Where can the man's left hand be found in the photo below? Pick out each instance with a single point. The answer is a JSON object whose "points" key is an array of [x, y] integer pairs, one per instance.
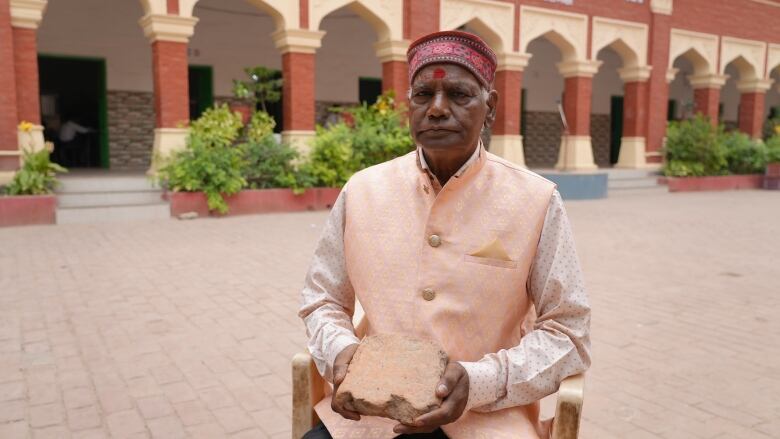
{"points": [[454, 389]]}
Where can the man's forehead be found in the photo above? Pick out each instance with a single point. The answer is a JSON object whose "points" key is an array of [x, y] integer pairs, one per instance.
{"points": [[447, 72]]}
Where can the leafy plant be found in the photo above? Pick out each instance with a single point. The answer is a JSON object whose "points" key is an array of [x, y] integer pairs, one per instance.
{"points": [[38, 175], [263, 87], [214, 169], [261, 125], [744, 156], [695, 141], [269, 164], [217, 126], [372, 134], [773, 149]]}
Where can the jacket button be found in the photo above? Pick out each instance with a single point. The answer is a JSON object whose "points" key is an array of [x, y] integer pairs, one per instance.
{"points": [[434, 240], [428, 294]]}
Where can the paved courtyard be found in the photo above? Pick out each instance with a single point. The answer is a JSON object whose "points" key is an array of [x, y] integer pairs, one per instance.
{"points": [[175, 329]]}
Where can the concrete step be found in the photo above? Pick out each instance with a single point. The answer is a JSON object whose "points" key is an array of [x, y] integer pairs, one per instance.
{"points": [[97, 199], [632, 183], [105, 183], [630, 174], [102, 214]]}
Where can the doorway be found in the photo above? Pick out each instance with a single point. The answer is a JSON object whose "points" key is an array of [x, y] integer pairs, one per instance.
{"points": [[74, 110], [615, 127], [201, 84]]}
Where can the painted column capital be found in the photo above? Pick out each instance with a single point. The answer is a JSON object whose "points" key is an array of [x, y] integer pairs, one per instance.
{"points": [[297, 40], [578, 68], [661, 6], [27, 13], [708, 81], [754, 85], [174, 28], [512, 61], [391, 50], [635, 74]]}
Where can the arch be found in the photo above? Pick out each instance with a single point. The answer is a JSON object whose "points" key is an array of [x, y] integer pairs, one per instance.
{"points": [[626, 53], [567, 31], [699, 48], [154, 6], [386, 17], [746, 70], [773, 60], [491, 19], [627, 38]]}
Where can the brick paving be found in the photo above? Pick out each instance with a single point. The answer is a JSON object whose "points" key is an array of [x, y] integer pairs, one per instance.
{"points": [[173, 329]]}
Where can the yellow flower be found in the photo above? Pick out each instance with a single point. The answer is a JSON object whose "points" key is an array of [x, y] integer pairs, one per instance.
{"points": [[777, 130], [25, 126]]}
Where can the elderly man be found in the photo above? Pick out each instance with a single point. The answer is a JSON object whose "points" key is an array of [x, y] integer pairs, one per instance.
{"points": [[453, 244]]}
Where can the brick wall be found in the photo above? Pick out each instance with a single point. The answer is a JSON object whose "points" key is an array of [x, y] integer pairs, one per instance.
{"points": [[130, 129], [8, 140], [542, 138], [599, 138]]}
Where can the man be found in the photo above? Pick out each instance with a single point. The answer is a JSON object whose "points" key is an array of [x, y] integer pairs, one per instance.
{"points": [[453, 244]]}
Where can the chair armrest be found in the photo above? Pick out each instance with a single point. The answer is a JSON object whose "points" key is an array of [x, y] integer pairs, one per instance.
{"points": [[568, 409], [308, 390]]}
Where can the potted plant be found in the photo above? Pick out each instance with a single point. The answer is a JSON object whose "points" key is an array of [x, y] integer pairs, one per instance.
{"points": [[29, 196], [262, 88], [772, 174]]}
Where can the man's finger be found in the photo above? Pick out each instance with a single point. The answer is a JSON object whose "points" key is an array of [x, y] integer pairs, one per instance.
{"points": [[451, 376], [349, 414]]}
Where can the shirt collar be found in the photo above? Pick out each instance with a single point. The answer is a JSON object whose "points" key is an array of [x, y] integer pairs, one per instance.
{"points": [[474, 157]]}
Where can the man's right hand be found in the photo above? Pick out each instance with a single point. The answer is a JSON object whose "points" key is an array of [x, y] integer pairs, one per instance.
{"points": [[339, 372]]}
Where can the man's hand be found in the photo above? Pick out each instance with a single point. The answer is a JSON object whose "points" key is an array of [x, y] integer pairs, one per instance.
{"points": [[454, 389], [339, 372]]}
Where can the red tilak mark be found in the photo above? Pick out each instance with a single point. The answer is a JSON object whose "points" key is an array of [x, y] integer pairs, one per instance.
{"points": [[439, 74]]}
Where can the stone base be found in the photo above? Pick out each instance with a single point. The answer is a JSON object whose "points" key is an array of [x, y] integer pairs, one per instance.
{"points": [[166, 142], [6, 177], [301, 140], [576, 154], [579, 185], [509, 147], [632, 153]]}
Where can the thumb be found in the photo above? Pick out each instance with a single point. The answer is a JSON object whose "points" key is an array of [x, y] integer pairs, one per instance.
{"points": [[448, 380], [339, 372]]}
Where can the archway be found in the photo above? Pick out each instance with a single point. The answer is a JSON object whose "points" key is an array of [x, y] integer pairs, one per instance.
{"points": [[606, 123]]}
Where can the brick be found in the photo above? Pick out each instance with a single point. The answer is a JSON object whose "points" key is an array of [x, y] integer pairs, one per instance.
{"points": [[114, 399], [508, 84], [81, 397], [193, 412], [216, 397], [233, 419], [84, 418], [154, 407], [171, 93], [272, 420], [207, 431], [14, 430], [125, 423], [26, 74], [298, 91], [168, 427], [46, 415], [56, 432], [252, 398], [12, 390], [179, 392]]}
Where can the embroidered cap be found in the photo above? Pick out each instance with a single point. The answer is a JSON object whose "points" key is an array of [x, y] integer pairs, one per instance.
{"points": [[453, 47]]}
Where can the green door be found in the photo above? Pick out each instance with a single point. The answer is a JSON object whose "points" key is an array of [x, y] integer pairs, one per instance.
{"points": [[201, 84], [615, 127]]}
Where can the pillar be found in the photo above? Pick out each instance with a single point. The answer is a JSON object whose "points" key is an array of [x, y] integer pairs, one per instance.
{"points": [[169, 36], [657, 85], [395, 71], [9, 150], [26, 16], [706, 94], [751, 106], [505, 139], [298, 47], [420, 18], [633, 143], [576, 152]]}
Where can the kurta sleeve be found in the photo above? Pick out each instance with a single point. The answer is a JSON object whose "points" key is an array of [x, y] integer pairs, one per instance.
{"points": [[559, 344], [328, 299]]}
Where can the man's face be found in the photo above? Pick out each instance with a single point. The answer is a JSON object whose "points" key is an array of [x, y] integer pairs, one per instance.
{"points": [[448, 108]]}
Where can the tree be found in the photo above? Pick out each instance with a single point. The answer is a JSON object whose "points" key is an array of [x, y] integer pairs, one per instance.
{"points": [[263, 87]]}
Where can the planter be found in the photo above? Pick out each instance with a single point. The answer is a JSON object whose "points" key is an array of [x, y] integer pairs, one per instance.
{"points": [[719, 183], [244, 109], [22, 210], [772, 176], [253, 201]]}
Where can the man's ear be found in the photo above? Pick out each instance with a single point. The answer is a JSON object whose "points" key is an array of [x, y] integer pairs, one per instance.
{"points": [[492, 103]]}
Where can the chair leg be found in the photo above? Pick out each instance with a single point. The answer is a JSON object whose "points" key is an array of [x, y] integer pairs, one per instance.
{"points": [[568, 409], [308, 390]]}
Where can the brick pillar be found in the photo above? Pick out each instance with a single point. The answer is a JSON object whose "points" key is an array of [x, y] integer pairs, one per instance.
{"points": [[298, 47], [751, 106], [706, 95], [421, 17], [634, 138], [9, 154], [657, 86], [576, 152], [26, 69], [169, 35], [505, 139], [395, 71]]}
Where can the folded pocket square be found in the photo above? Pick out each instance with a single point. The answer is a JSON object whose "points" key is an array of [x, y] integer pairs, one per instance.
{"points": [[493, 250]]}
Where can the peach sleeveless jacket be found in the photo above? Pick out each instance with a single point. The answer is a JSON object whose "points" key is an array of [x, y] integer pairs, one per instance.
{"points": [[478, 305]]}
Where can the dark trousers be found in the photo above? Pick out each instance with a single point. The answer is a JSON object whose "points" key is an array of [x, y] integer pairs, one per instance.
{"points": [[320, 432]]}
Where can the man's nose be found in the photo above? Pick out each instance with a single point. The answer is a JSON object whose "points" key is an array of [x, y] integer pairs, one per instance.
{"points": [[440, 107]]}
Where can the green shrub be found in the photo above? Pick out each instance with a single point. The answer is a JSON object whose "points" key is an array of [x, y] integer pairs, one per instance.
{"points": [[374, 135], [691, 142], [261, 125], [269, 164], [743, 154], [773, 149], [38, 175], [201, 166], [217, 126]]}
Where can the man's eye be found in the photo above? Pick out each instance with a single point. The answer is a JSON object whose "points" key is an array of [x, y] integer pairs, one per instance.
{"points": [[423, 93], [458, 95]]}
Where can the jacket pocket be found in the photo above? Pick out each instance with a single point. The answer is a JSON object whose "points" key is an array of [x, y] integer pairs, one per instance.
{"points": [[500, 263]]}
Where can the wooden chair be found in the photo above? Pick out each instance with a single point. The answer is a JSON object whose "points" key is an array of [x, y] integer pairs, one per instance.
{"points": [[308, 390]]}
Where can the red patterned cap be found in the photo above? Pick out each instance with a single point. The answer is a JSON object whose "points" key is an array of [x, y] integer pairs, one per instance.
{"points": [[454, 47]]}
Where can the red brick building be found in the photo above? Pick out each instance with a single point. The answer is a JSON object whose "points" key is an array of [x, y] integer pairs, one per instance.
{"points": [[134, 72]]}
